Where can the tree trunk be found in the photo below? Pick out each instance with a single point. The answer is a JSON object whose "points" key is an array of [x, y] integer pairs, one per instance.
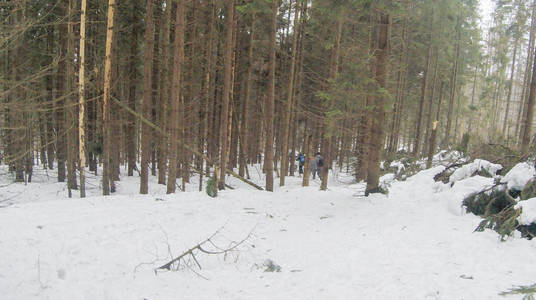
{"points": [[424, 89], [328, 141], [71, 120], [176, 94], [164, 96], [454, 78], [399, 100], [473, 92], [131, 134], [208, 88], [382, 73], [82, 102], [365, 119], [510, 87], [147, 98], [308, 157], [270, 100], [290, 94], [430, 105], [227, 85], [244, 126], [50, 100], [525, 141], [61, 146], [522, 112], [155, 157], [433, 135], [297, 87], [106, 99]]}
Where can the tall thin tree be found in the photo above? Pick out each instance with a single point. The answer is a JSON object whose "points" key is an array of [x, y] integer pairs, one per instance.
{"points": [[82, 102], [106, 99], [146, 137], [270, 100], [176, 94], [382, 73], [227, 85]]}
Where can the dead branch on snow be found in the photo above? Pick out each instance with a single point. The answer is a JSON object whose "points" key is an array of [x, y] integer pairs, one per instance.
{"points": [[208, 247]]}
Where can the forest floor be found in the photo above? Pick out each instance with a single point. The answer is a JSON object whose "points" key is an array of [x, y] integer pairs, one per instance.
{"points": [[415, 243]]}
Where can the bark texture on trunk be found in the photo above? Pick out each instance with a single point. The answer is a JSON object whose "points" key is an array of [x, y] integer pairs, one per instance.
{"points": [[382, 73], [147, 98], [290, 94], [424, 90], [525, 141], [82, 102], [269, 107], [106, 99], [176, 94], [227, 86], [454, 78]]}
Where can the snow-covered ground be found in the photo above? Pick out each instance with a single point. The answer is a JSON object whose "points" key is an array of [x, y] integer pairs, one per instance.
{"points": [[415, 243]]}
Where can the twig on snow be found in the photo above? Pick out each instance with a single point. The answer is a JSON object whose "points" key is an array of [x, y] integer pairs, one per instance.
{"points": [[190, 255]]}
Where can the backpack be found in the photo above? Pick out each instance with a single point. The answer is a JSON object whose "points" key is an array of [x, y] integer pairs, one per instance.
{"points": [[302, 158]]}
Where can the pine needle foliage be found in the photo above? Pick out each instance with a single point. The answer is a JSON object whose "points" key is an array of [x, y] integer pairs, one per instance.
{"points": [[212, 187], [527, 291], [504, 222]]}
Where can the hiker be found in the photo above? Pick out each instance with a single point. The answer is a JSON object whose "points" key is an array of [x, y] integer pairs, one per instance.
{"points": [[316, 165], [301, 162]]}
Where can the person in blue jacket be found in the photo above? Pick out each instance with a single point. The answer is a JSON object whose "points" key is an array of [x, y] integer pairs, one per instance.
{"points": [[301, 161]]}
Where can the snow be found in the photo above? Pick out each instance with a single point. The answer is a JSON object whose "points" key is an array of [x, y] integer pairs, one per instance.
{"points": [[477, 165], [518, 177], [528, 211], [454, 196], [387, 179], [445, 155], [399, 166], [330, 245]]}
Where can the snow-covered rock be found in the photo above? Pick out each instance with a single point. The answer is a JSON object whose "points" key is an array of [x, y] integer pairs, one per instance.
{"points": [[518, 177]]}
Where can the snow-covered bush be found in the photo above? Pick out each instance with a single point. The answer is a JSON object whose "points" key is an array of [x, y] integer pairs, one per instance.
{"points": [[519, 176], [488, 203], [528, 211], [477, 166], [503, 208], [398, 165], [529, 191]]}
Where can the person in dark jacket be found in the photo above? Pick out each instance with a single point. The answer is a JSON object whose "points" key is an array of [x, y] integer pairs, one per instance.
{"points": [[316, 165]]}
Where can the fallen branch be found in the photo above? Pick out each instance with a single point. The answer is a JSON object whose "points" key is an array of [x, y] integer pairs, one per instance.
{"points": [[208, 175], [188, 148], [438, 177], [202, 247], [486, 190]]}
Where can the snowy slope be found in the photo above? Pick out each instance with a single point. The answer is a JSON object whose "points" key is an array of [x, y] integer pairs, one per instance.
{"points": [[415, 243]]}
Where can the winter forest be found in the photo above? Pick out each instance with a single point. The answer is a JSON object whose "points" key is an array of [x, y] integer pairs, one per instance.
{"points": [[267, 149]]}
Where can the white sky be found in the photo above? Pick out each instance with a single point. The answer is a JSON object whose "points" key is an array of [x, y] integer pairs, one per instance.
{"points": [[486, 8]]}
